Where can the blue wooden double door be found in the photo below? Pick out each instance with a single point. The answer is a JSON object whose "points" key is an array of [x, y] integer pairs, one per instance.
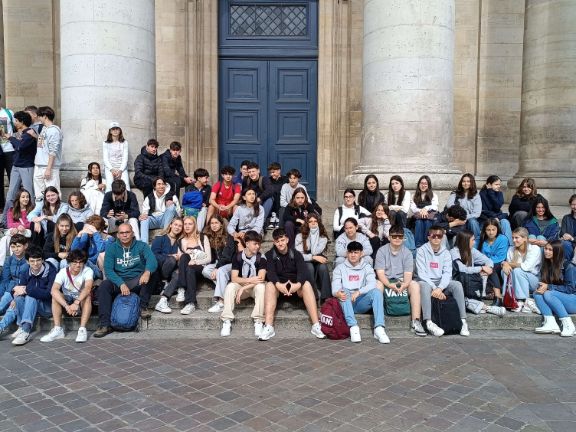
{"points": [[268, 112]]}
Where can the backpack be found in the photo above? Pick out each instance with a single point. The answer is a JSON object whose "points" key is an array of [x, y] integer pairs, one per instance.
{"points": [[446, 315], [471, 282], [332, 320], [192, 203], [125, 312]]}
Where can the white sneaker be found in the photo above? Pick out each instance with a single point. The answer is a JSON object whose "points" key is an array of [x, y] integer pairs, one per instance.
{"points": [[532, 306], [355, 334], [55, 333], [267, 333], [496, 310], [82, 335], [464, 331], [180, 295], [162, 305], [518, 308], [258, 326], [548, 326], [417, 328], [568, 328], [433, 329], [317, 331], [22, 339], [16, 333], [189, 308], [217, 307], [380, 334], [226, 327]]}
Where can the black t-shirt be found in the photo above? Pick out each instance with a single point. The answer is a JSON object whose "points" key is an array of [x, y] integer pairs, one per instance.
{"points": [[237, 264]]}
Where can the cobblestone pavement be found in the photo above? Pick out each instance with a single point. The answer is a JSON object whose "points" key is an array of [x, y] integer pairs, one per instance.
{"points": [[448, 384]]}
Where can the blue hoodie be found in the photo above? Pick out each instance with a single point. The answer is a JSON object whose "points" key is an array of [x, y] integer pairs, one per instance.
{"points": [[39, 286], [13, 268]]}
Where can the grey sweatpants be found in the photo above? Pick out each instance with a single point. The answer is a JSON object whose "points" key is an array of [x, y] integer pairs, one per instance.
{"points": [[454, 288]]}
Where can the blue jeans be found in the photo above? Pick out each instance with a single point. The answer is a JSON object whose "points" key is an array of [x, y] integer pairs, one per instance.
{"points": [[506, 230], [556, 303], [27, 307], [154, 222], [5, 301], [421, 231], [95, 269], [267, 207], [364, 302], [473, 225], [523, 282]]}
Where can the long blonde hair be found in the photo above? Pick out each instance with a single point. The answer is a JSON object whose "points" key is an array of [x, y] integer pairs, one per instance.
{"points": [[194, 234], [518, 255]]}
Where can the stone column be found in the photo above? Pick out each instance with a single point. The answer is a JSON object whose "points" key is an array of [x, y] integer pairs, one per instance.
{"points": [[107, 74], [548, 120], [408, 92], [2, 70]]}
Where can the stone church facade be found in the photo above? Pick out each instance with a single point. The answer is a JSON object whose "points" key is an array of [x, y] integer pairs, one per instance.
{"points": [[403, 86]]}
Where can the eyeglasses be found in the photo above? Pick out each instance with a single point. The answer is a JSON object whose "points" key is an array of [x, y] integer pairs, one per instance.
{"points": [[396, 236], [436, 236], [77, 262], [348, 196], [124, 232]]}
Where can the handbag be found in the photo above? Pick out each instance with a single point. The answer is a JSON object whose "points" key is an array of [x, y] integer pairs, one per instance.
{"points": [[396, 304], [509, 301]]}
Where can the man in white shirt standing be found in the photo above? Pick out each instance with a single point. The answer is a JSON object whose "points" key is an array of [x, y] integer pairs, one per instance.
{"points": [[7, 153], [49, 154]]}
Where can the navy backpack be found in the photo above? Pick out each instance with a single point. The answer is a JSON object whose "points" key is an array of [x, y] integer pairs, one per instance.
{"points": [[125, 312]]}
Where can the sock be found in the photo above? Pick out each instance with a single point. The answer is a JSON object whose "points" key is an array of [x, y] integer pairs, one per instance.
{"points": [[463, 320]]}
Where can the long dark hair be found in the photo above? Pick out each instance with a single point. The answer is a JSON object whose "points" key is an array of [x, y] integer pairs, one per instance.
{"points": [[305, 230], [255, 206], [461, 193], [120, 137], [17, 210], [392, 195], [298, 190], [219, 238], [540, 200], [483, 237], [462, 242], [531, 183], [429, 194], [551, 272], [491, 179], [89, 175], [46, 207], [374, 223]]}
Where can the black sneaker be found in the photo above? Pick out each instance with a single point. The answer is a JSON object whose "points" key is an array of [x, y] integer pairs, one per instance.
{"points": [[102, 331], [145, 314]]}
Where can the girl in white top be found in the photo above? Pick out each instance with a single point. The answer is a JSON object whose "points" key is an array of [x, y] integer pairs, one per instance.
{"points": [[347, 210], [115, 155], [92, 186], [523, 265], [398, 200]]}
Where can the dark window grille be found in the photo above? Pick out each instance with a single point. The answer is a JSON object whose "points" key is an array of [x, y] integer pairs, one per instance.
{"points": [[265, 20]]}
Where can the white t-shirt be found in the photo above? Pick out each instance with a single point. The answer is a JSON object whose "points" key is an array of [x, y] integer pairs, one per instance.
{"points": [[73, 290]]}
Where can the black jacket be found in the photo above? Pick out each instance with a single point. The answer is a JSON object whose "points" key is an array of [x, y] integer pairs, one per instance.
{"points": [[170, 166], [130, 206], [282, 268], [146, 168], [25, 148]]}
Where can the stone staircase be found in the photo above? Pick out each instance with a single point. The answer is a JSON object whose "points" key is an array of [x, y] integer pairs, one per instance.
{"points": [[291, 317]]}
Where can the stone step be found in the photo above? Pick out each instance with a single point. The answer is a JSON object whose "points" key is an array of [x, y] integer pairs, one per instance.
{"points": [[295, 320]]}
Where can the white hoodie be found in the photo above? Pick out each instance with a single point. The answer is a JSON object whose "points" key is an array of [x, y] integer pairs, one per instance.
{"points": [[360, 277]]}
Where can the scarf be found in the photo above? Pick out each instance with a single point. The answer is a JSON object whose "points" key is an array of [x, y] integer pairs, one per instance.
{"points": [[248, 265], [313, 239]]}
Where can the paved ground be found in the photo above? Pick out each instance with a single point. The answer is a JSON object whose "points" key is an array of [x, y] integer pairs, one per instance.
{"points": [[500, 383]]}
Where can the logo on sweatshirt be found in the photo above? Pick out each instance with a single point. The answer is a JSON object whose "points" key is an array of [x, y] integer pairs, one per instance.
{"points": [[434, 265], [353, 278]]}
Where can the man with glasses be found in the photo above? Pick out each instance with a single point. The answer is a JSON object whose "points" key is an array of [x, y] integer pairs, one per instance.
{"points": [[394, 267], [128, 265], [434, 269], [71, 292]]}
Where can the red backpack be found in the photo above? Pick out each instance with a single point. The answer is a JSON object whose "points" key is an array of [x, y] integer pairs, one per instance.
{"points": [[332, 320]]}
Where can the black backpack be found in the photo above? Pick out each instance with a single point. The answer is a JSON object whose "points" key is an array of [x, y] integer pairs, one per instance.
{"points": [[471, 282], [446, 315]]}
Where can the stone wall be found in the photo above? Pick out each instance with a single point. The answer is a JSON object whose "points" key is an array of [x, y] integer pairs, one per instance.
{"points": [[30, 57]]}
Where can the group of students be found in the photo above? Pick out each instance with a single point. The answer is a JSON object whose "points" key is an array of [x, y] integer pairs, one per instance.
{"points": [[52, 252]]}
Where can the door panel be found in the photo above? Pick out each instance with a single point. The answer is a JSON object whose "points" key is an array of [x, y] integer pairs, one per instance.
{"points": [[268, 113]]}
